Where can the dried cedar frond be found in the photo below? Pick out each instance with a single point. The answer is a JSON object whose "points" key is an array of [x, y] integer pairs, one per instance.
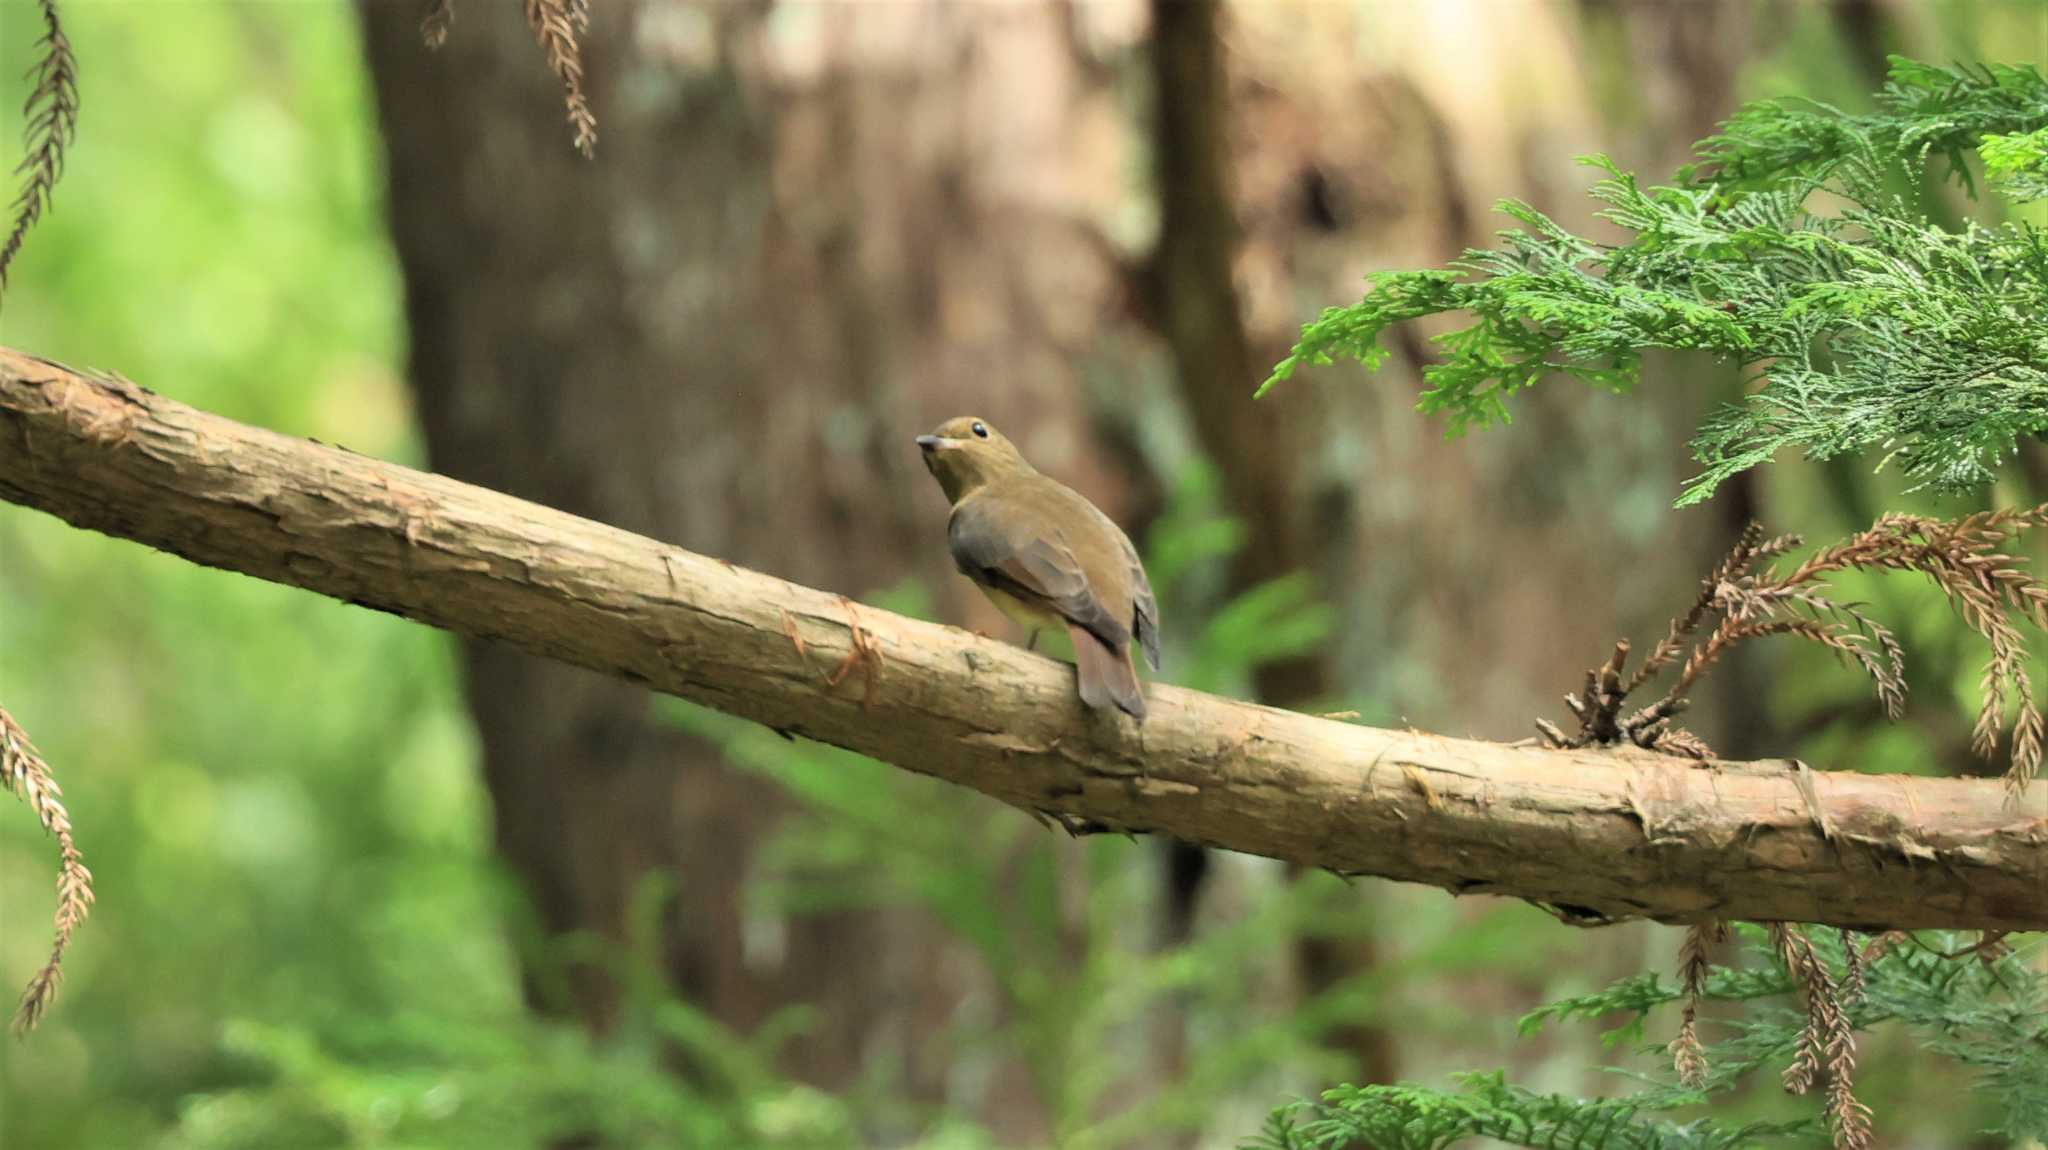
{"points": [[1688, 1055], [1827, 1043], [1855, 965], [555, 25], [1990, 589], [23, 771], [1684, 744], [50, 118], [1797, 955]]}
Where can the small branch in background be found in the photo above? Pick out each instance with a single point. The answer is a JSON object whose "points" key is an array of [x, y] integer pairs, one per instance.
{"points": [[50, 123], [1989, 588], [23, 771], [556, 25]]}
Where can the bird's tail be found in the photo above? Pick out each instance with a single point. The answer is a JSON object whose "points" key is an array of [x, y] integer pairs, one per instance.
{"points": [[1107, 677]]}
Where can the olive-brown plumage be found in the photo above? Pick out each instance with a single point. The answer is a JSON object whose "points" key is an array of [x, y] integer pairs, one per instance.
{"points": [[1047, 557]]}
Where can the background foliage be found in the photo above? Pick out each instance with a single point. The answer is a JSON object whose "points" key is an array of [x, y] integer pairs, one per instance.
{"points": [[303, 938]]}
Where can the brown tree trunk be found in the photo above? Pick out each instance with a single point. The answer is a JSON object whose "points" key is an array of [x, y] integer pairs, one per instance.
{"points": [[572, 341], [792, 254], [1258, 448]]}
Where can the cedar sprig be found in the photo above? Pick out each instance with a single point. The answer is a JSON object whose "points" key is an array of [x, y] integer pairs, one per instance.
{"points": [[1968, 558], [555, 25], [23, 771], [51, 122]]}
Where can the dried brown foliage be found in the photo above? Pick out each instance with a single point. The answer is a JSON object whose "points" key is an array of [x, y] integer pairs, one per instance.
{"points": [[1688, 1056], [23, 771], [1854, 963], [1824, 1052], [1966, 558], [1827, 1044], [51, 120], [556, 25]]}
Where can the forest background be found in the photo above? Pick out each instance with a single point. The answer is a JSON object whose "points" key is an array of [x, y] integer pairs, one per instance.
{"points": [[363, 884]]}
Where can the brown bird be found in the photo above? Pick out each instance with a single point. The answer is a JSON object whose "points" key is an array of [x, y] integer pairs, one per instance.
{"points": [[1047, 557]]}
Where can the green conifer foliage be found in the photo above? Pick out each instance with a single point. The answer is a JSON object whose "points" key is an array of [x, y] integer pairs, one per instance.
{"points": [[1801, 246], [1985, 1008]]}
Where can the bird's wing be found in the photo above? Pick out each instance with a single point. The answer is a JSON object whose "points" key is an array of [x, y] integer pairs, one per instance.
{"points": [[1144, 608], [996, 547]]}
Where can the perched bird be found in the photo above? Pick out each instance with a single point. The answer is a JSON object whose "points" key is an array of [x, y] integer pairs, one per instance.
{"points": [[1047, 557]]}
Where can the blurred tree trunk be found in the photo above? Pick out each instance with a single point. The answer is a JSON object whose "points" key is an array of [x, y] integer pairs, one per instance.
{"points": [[1258, 448], [805, 239], [578, 338], [799, 246]]}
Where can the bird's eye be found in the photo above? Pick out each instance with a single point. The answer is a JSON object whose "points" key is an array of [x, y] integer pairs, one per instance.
{"points": [[980, 429]]}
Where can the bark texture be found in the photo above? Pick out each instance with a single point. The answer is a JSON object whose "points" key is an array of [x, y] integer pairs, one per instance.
{"points": [[1262, 451], [549, 304], [1610, 834], [809, 231]]}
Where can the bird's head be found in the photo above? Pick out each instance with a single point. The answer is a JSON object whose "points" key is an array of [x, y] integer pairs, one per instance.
{"points": [[966, 453]]}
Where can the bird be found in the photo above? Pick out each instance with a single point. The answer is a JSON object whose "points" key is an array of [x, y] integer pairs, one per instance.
{"points": [[1047, 557]]}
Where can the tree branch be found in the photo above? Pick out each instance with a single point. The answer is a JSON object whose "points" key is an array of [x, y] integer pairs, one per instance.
{"points": [[1597, 833]]}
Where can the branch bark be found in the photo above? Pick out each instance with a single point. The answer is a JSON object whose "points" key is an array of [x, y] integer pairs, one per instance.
{"points": [[1611, 834]]}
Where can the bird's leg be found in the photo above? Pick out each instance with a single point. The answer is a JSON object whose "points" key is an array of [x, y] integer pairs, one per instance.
{"points": [[1031, 644]]}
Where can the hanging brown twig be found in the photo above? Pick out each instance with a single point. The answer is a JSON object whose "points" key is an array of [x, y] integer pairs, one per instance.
{"points": [[1688, 1055], [1827, 1043], [51, 120], [557, 26], [23, 771]]}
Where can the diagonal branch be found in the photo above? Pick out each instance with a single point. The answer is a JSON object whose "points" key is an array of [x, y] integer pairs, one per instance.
{"points": [[1592, 833]]}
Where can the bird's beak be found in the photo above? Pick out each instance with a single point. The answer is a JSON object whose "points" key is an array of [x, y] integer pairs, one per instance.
{"points": [[931, 443]]}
